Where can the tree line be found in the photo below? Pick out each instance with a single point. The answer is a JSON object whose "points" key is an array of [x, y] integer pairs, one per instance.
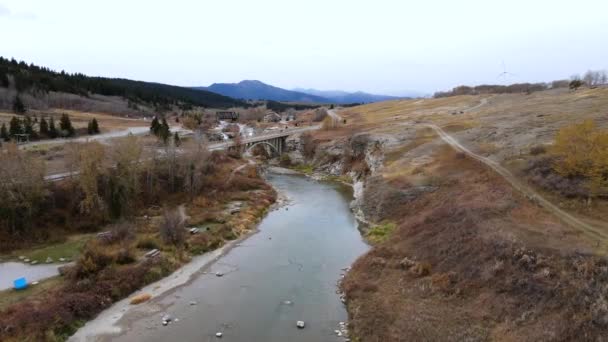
{"points": [[111, 183], [590, 78], [29, 77], [33, 128]]}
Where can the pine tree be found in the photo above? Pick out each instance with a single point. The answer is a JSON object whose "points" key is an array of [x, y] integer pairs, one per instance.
{"points": [[15, 126], [28, 127], [18, 106], [176, 140], [44, 127], [52, 129], [154, 126], [95, 126], [4, 133], [164, 131], [89, 128], [66, 126]]}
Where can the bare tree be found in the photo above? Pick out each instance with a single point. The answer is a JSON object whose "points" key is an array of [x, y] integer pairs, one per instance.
{"points": [[91, 167], [22, 189], [172, 227]]}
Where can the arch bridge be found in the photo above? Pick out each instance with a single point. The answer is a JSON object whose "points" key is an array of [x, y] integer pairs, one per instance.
{"points": [[275, 141]]}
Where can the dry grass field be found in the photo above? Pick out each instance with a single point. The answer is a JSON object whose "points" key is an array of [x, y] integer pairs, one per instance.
{"points": [[470, 257], [107, 122]]}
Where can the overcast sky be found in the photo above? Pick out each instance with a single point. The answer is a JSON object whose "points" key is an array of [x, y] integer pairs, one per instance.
{"points": [[380, 46]]}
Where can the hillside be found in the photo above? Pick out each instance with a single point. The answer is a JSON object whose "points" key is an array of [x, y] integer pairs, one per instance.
{"points": [[38, 80], [486, 241], [343, 97], [256, 90]]}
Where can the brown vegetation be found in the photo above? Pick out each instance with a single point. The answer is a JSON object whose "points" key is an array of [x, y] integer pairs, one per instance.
{"points": [[122, 189], [474, 261]]}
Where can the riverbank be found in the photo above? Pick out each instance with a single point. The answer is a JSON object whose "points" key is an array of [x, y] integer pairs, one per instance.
{"points": [[285, 272], [109, 270], [106, 323]]}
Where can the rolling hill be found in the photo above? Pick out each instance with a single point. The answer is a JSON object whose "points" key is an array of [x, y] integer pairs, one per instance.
{"points": [[35, 79]]}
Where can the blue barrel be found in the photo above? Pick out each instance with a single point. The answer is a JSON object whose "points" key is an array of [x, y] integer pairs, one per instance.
{"points": [[20, 284]]}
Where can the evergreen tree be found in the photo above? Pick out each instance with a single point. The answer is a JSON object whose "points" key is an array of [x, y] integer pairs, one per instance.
{"points": [[66, 126], [164, 131], [44, 127], [95, 126], [4, 133], [15, 126], [89, 128], [176, 140], [28, 127], [154, 126], [18, 106], [52, 129]]}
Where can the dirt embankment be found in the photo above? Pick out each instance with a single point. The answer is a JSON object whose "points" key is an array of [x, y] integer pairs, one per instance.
{"points": [[473, 259]]}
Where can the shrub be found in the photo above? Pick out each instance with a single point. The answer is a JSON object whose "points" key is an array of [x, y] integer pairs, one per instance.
{"points": [[125, 256], [539, 149], [285, 161], [380, 233], [172, 228], [581, 150], [421, 269], [541, 172], [147, 243], [198, 244], [92, 261]]}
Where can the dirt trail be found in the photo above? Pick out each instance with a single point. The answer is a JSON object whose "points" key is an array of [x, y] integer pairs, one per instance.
{"points": [[526, 190]]}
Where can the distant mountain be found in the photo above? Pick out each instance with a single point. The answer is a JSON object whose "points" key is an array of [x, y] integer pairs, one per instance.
{"points": [[338, 96], [256, 90]]}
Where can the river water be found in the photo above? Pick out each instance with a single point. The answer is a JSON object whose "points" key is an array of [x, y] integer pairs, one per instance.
{"points": [[286, 272]]}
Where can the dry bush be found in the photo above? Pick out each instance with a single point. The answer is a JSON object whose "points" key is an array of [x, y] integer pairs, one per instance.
{"points": [[541, 172], [309, 145], [172, 227], [92, 261], [538, 149], [421, 269], [125, 256], [22, 190], [148, 243], [329, 123], [581, 150], [140, 298]]}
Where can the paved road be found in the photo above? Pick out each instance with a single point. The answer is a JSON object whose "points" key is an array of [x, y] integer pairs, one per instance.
{"points": [[526, 190], [212, 147]]}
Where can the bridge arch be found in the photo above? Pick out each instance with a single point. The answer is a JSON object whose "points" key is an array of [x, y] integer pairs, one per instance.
{"points": [[273, 147]]}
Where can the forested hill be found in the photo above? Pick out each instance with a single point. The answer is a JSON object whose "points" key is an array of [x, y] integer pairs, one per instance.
{"points": [[32, 78]]}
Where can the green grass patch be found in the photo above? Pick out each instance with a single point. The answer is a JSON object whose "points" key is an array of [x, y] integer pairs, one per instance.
{"points": [[304, 168], [11, 296], [340, 179], [380, 233], [69, 249]]}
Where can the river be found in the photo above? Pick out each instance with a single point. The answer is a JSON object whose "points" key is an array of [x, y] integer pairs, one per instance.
{"points": [[284, 273]]}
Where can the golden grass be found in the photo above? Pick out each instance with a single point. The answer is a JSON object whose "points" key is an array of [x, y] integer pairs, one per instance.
{"points": [[140, 298]]}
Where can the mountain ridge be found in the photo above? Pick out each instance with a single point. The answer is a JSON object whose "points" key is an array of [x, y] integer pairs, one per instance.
{"points": [[257, 90]]}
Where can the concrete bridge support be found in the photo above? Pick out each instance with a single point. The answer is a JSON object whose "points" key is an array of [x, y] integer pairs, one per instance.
{"points": [[277, 145]]}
